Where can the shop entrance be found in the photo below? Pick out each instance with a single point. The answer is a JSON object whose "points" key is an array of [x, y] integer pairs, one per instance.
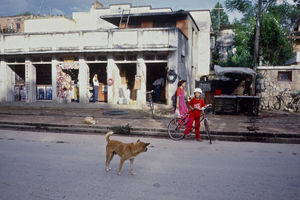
{"points": [[156, 73], [43, 82], [67, 82], [127, 90], [100, 70], [19, 82]]}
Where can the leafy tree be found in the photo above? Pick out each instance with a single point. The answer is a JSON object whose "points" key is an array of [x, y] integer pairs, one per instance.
{"points": [[275, 44], [216, 21]]}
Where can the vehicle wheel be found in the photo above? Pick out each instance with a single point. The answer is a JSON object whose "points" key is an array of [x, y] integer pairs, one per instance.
{"points": [[152, 109], [207, 130], [176, 129]]}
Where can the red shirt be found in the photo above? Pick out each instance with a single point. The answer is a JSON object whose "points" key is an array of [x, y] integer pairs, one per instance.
{"points": [[196, 103]]}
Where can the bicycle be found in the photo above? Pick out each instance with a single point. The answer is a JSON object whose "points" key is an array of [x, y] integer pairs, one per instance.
{"points": [[151, 102], [286, 100], [295, 103], [177, 125], [280, 101]]}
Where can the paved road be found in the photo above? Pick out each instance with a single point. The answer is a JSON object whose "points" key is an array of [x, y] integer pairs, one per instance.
{"points": [[68, 166]]}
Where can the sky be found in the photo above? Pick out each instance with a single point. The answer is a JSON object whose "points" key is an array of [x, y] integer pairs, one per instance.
{"points": [[66, 7]]}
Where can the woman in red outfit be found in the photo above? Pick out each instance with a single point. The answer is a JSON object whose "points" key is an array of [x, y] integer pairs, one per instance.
{"points": [[195, 105]]}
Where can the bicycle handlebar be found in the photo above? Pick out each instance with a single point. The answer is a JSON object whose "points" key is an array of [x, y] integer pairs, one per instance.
{"points": [[152, 91]]}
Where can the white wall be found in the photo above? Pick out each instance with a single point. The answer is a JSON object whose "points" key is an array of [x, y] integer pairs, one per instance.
{"points": [[49, 24], [90, 20], [118, 39], [203, 20]]}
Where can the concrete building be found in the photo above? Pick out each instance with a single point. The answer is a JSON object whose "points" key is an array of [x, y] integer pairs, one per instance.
{"points": [[13, 24], [296, 38], [128, 47]]}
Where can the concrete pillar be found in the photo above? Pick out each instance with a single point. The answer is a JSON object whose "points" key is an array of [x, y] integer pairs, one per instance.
{"points": [[83, 81], [110, 75], [3, 81], [141, 71], [54, 79], [30, 81], [173, 63]]}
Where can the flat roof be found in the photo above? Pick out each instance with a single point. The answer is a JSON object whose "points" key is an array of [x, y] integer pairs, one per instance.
{"points": [[115, 19]]}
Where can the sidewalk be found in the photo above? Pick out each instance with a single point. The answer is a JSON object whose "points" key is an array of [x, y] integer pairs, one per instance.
{"points": [[267, 127]]}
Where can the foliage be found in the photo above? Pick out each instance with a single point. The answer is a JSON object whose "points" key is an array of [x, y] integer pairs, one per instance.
{"points": [[276, 25], [224, 22]]}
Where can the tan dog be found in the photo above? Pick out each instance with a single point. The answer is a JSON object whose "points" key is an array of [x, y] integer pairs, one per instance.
{"points": [[125, 151]]}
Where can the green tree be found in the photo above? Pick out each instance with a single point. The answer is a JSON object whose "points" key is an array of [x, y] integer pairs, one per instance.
{"points": [[275, 44], [219, 18]]}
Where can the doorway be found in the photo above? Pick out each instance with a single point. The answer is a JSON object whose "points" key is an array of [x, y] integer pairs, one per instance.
{"points": [[157, 72], [127, 92], [43, 81], [100, 70], [19, 88]]}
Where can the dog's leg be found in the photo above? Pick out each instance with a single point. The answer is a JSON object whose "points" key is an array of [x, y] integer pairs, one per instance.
{"points": [[109, 156], [121, 164], [131, 167]]}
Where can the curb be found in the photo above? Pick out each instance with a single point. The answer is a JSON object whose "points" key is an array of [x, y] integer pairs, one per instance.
{"points": [[151, 132]]}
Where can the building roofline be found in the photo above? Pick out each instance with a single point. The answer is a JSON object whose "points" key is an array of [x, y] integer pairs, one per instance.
{"points": [[152, 14]]}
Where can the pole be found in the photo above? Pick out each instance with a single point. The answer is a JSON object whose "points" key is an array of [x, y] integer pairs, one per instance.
{"points": [[257, 35]]}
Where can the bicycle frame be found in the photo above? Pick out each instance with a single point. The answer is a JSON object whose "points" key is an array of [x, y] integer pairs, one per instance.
{"points": [[202, 117]]}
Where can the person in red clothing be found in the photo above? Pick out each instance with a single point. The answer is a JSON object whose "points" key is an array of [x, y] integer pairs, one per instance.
{"points": [[195, 105]]}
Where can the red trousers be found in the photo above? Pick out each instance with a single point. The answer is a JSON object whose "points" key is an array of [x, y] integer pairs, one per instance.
{"points": [[190, 126]]}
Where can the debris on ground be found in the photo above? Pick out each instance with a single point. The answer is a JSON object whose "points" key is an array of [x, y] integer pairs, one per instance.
{"points": [[89, 120], [121, 129]]}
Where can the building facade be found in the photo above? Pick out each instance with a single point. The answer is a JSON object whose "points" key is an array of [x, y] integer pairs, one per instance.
{"points": [[295, 60], [56, 58], [275, 79], [13, 24]]}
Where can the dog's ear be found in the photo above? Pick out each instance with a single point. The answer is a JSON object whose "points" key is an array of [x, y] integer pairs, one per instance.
{"points": [[138, 140], [147, 144]]}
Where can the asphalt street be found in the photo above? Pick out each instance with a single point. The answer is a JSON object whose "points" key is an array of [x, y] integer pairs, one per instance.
{"points": [[53, 166]]}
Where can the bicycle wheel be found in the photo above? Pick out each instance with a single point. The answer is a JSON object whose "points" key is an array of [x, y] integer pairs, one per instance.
{"points": [[207, 129], [276, 103], [176, 129]]}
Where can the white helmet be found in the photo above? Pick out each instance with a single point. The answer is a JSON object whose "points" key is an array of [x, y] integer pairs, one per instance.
{"points": [[198, 90]]}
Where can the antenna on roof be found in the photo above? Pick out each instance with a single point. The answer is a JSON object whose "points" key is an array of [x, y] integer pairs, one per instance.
{"points": [[39, 12]]}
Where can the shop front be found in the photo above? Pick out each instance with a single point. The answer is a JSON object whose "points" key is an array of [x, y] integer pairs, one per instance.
{"points": [[18, 82], [43, 81], [67, 85]]}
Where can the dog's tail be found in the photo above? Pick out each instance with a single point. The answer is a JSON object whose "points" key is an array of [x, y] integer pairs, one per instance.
{"points": [[108, 135]]}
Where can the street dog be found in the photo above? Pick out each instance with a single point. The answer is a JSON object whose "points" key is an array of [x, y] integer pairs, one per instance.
{"points": [[125, 151]]}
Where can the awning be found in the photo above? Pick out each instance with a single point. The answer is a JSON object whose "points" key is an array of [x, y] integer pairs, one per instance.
{"points": [[227, 71]]}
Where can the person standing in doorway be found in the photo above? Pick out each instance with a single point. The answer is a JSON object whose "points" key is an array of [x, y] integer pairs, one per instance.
{"points": [[96, 87], [158, 84]]}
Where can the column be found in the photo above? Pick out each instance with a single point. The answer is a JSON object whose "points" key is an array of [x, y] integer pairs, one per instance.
{"points": [[173, 63], [54, 79], [110, 75], [4, 81], [30, 81], [83, 81], [142, 71]]}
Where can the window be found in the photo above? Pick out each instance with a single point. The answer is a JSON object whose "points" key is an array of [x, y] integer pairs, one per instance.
{"points": [[182, 58], [18, 26], [285, 76]]}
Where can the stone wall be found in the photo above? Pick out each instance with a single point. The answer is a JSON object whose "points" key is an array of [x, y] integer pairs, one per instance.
{"points": [[268, 85]]}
